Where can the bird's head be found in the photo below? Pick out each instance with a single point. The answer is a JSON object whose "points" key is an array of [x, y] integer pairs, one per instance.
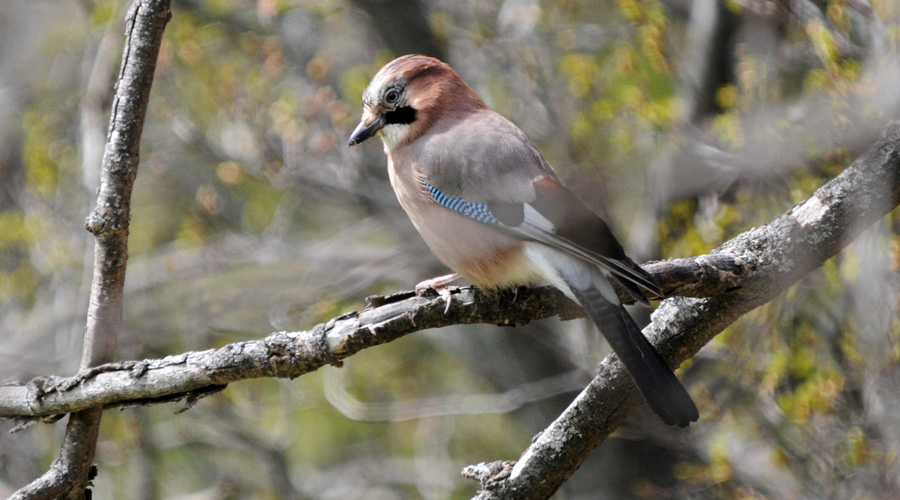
{"points": [[407, 96]]}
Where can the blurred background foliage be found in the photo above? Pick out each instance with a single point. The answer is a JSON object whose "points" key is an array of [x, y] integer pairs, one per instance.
{"points": [[684, 122]]}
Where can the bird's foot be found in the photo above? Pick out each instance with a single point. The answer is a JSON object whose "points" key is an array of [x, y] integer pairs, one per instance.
{"points": [[439, 285]]}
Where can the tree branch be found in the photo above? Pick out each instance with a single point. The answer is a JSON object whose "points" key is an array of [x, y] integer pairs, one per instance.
{"points": [[291, 354], [70, 474]]}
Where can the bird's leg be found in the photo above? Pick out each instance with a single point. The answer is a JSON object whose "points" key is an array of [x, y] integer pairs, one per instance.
{"points": [[439, 285]]}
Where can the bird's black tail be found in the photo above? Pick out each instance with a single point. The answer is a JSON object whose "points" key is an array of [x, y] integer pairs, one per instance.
{"points": [[653, 377]]}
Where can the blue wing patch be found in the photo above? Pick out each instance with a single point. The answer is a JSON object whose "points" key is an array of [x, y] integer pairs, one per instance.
{"points": [[477, 211]]}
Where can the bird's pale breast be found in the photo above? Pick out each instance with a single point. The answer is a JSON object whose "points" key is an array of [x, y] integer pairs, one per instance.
{"points": [[485, 257]]}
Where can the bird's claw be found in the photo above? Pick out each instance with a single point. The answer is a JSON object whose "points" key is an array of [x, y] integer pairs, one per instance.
{"points": [[439, 285], [445, 294]]}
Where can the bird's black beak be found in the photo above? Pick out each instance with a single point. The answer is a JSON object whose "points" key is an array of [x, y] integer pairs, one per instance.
{"points": [[365, 130]]}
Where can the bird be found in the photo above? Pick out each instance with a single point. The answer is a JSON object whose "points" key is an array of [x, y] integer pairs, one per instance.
{"points": [[493, 210]]}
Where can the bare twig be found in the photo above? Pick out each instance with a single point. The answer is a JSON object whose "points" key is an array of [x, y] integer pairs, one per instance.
{"points": [[282, 354], [71, 473]]}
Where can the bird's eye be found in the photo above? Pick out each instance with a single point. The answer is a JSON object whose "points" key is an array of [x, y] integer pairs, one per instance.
{"points": [[392, 97]]}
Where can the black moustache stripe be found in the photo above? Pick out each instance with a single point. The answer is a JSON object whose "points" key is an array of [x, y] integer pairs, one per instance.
{"points": [[400, 116]]}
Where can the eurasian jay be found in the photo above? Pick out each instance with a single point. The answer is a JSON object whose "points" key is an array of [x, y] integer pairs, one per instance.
{"points": [[492, 209]]}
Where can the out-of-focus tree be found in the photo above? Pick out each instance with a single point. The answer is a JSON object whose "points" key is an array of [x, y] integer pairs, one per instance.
{"points": [[685, 123]]}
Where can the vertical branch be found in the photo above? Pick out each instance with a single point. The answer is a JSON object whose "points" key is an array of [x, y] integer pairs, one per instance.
{"points": [[70, 474], [109, 220]]}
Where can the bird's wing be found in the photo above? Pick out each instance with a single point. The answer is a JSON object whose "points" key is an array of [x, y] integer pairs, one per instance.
{"points": [[481, 158], [504, 181]]}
